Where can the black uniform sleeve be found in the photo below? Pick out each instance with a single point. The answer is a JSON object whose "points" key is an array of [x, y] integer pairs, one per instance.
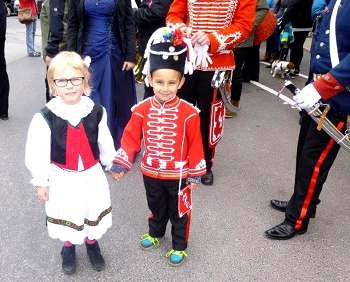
{"points": [[73, 26], [155, 12], [130, 33], [56, 28]]}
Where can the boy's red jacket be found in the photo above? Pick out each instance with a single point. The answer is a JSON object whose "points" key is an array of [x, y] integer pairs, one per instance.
{"points": [[226, 22], [171, 139]]}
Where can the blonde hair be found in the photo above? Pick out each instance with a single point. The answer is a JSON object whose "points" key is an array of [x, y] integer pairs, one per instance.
{"points": [[64, 60]]}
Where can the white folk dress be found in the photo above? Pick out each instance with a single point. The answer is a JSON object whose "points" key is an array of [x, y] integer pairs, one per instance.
{"points": [[79, 204]]}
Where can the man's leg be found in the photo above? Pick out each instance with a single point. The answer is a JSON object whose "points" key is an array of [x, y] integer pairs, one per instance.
{"points": [[305, 121], [237, 77], [198, 91], [316, 159], [297, 49], [204, 94], [30, 38], [4, 83], [316, 156]]}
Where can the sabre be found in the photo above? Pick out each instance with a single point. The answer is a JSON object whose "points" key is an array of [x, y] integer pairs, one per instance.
{"points": [[314, 112], [279, 94]]}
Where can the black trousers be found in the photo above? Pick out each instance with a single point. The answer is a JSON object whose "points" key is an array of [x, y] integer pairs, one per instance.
{"points": [[247, 68], [316, 153], [297, 48], [162, 199], [4, 81], [198, 91]]}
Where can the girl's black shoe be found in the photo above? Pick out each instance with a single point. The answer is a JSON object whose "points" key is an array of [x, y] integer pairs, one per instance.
{"points": [[68, 260], [94, 254]]}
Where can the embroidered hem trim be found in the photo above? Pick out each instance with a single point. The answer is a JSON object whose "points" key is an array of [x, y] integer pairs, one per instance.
{"points": [[79, 227]]}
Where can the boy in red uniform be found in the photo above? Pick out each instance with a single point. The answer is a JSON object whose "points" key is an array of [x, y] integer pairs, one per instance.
{"points": [[173, 151]]}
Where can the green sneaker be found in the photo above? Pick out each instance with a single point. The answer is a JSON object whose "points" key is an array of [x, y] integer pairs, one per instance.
{"points": [[149, 242], [176, 258]]}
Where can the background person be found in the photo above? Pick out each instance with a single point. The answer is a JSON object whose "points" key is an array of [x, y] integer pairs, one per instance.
{"points": [[30, 27], [105, 31], [54, 24]]}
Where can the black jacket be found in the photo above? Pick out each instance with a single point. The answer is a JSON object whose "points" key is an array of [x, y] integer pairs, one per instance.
{"points": [[148, 17], [123, 25], [3, 14], [298, 12], [57, 26]]}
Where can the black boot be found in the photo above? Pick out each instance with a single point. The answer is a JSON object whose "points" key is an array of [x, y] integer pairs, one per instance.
{"points": [[282, 206], [284, 231], [208, 178], [68, 260], [94, 254], [279, 205]]}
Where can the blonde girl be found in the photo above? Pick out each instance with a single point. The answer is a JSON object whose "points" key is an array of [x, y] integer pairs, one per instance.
{"points": [[66, 142]]}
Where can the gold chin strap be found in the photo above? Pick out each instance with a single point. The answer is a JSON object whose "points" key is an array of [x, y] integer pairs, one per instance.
{"points": [[323, 117]]}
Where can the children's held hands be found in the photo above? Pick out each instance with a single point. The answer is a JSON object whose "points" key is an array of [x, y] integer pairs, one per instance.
{"points": [[117, 175], [128, 66], [42, 193], [201, 38]]}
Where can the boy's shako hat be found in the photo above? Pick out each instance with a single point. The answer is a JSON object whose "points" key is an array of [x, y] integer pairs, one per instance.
{"points": [[168, 48], [167, 56]]}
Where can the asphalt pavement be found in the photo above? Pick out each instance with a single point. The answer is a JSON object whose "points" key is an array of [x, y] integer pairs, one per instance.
{"points": [[255, 162]]}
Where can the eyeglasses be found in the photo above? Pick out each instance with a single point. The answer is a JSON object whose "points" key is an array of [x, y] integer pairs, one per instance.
{"points": [[62, 82]]}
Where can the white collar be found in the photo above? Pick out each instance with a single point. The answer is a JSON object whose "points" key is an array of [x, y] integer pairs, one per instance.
{"points": [[72, 113]]}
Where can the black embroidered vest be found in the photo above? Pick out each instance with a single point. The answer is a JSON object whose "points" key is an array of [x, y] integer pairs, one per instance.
{"points": [[60, 129]]}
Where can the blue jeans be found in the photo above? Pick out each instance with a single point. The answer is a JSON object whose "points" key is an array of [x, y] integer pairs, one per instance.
{"points": [[30, 34]]}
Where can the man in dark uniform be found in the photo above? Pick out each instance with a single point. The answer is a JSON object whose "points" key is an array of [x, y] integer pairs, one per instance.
{"points": [[149, 16], [4, 80], [316, 152], [54, 23], [58, 22]]}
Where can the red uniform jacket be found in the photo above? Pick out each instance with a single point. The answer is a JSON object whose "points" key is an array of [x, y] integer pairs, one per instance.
{"points": [[171, 138], [227, 22]]}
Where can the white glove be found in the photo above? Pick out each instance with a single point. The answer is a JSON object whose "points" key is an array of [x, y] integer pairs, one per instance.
{"points": [[307, 97], [202, 56]]}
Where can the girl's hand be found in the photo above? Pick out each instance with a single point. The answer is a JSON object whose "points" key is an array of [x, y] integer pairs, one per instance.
{"points": [[194, 186], [200, 38], [128, 66], [42, 193], [117, 176]]}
